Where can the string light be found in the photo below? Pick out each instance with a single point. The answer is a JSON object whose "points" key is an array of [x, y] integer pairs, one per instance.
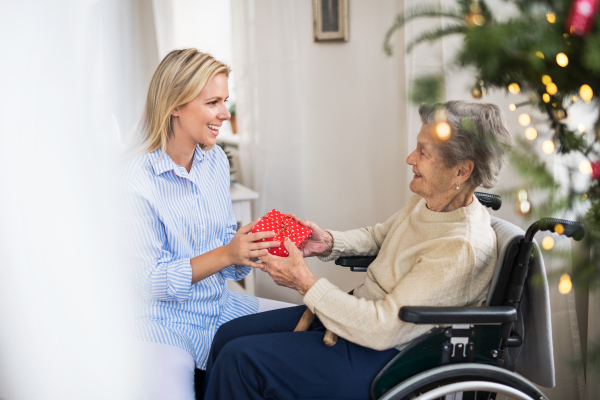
{"points": [[443, 130], [522, 194], [584, 196], [539, 54], [512, 107], [562, 59], [585, 167], [524, 119], [525, 206], [581, 128], [547, 243], [574, 99], [565, 285], [530, 133], [546, 79], [586, 93], [548, 147], [551, 88], [558, 228], [551, 17], [546, 98], [514, 88]]}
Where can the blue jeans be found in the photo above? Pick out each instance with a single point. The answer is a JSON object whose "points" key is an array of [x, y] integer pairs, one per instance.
{"points": [[260, 357]]}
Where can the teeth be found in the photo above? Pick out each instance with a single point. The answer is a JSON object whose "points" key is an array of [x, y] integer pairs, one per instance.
{"points": [[213, 127]]}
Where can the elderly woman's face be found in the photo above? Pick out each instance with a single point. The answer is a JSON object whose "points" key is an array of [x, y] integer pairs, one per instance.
{"points": [[431, 176]]}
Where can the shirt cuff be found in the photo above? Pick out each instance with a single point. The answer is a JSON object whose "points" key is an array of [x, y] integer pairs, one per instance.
{"points": [[178, 280], [338, 246], [316, 293]]}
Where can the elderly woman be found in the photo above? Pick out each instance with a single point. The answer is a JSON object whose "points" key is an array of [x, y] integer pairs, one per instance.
{"points": [[438, 250]]}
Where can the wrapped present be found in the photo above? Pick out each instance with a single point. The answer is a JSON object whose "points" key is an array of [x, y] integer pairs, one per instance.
{"points": [[283, 226]]}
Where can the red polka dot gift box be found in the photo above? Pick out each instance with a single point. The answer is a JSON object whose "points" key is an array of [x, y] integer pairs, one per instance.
{"points": [[283, 226]]}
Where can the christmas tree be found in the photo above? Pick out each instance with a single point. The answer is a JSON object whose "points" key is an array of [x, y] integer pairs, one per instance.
{"points": [[550, 51]]}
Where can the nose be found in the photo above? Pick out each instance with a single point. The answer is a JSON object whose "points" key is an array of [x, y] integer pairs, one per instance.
{"points": [[224, 113], [411, 159]]}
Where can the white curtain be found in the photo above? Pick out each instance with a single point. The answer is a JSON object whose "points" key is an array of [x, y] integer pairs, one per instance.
{"points": [[73, 77]]}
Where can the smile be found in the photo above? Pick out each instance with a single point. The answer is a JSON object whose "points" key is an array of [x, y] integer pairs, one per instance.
{"points": [[214, 129]]}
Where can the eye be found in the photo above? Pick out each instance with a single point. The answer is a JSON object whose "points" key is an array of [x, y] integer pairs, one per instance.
{"points": [[212, 103]]}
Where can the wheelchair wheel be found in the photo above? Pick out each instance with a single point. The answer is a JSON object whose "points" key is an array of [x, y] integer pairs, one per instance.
{"points": [[467, 381]]}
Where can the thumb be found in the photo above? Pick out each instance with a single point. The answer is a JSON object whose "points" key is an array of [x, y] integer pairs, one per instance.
{"points": [[291, 247]]}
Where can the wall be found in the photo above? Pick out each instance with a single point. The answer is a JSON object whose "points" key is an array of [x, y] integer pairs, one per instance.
{"points": [[322, 124]]}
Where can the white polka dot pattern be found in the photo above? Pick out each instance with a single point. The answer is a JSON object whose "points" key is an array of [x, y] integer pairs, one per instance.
{"points": [[283, 226]]}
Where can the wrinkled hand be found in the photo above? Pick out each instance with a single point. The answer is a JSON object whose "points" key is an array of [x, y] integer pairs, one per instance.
{"points": [[320, 242], [291, 271], [242, 251]]}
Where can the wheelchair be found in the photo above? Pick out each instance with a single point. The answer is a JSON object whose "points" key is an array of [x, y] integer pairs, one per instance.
{"points": [[466, 355]]}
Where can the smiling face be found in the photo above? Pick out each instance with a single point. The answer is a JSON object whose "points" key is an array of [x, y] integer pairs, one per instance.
{"points": [[199, 120], [432, 178]]}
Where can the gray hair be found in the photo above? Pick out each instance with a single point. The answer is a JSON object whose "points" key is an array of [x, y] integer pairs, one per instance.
{"points": [[478, 133]]}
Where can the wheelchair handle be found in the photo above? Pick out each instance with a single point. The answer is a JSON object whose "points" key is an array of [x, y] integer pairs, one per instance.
{"points": [[572, 229], [489, 200]]}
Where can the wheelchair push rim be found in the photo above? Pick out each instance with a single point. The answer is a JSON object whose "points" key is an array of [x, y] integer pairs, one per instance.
{"points": [[474, 386], [446, 376]]}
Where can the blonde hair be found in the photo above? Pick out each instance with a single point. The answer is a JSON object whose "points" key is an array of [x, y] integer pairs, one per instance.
{"points": [[179, 78]]}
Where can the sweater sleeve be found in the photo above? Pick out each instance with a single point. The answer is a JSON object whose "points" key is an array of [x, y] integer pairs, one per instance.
{"points": [[437, 278], [365, 241]]}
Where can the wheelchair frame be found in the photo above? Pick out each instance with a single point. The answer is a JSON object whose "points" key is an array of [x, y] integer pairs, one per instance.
{"points": [[472, 352]]}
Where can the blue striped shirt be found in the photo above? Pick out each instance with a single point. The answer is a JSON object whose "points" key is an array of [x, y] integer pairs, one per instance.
{"points": [[175, 216]]}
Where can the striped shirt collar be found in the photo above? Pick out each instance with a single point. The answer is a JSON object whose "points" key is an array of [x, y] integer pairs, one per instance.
{"points": [[161, 162]]}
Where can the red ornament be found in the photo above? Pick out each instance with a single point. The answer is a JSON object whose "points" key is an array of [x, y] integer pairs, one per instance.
{"points": [[581, 17], [596, 170], [283, 226]]}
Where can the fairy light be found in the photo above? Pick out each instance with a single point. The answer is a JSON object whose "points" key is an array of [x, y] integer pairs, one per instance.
{"points": [[547, 243], [540, 54], [512, 107], [565, 285], [574, 99], [546, 79], [551, 17], [522, 195], [584, 196], [585, 167], [546, 98], [581, 127], [443, 130], [531, 133], [525, 206], [551, 88], [548, 147], [586, 93], [558, 228], [514, 88], [562, 59], [524, 119]]}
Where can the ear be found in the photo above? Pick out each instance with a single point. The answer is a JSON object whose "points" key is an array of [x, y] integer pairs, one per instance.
{"points": [[465, 169], [175, 111]]}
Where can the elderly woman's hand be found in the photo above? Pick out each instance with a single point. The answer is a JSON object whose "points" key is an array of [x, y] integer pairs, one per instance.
{"points": [[320, 242], [291, 271]]}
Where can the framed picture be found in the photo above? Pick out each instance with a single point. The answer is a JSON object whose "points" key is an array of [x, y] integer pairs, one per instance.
{"points": [[330, 20]]}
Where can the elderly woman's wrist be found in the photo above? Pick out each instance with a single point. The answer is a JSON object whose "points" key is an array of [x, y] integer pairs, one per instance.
{"points": [[328, 240]]}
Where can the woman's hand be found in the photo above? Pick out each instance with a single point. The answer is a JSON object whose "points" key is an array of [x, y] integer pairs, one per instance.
{"points": [[242, 251], [291, 271], [320, 242]]}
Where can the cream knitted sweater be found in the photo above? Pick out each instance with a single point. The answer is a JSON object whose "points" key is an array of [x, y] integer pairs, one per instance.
{"points": [[424, 258]]}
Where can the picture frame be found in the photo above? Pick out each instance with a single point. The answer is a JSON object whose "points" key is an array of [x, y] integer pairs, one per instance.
{"points": [[330, 20]]}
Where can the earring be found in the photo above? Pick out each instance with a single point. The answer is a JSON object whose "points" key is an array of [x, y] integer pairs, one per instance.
{"points": [[457, 186]]}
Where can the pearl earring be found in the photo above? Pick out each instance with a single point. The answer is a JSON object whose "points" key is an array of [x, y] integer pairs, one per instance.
{"points": [[457, 186]]}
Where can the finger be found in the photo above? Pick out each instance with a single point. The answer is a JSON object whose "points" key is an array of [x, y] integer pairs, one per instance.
{"points": [[256, 265], [256, 253], [259, 235], [291, 248], [264, 245], [248, 228]]}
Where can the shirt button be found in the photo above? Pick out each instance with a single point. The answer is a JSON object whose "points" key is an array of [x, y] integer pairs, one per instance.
{"points": [[211, 328], [215, 303], [197, 196], [201, 227]]}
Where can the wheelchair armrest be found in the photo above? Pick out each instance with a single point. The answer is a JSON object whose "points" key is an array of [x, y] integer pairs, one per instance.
{"points": [[356, 264], [458, 315]]}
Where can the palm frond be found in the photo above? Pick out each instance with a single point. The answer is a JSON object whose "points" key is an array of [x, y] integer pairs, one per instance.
{"points": [[418, 12]]}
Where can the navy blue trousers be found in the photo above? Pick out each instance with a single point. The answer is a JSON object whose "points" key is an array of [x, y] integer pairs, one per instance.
{"points": [[260, 357]]}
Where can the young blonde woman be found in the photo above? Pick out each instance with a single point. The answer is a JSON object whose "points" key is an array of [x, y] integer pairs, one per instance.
{"points": [[185, 244]]}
